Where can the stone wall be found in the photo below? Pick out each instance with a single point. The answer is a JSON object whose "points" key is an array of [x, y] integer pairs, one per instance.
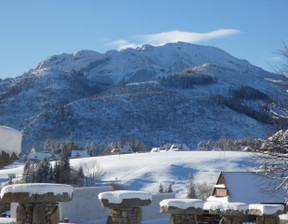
{"points": [[85, 206]]}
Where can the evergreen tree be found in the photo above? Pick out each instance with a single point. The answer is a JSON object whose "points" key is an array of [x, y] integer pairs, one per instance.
{"points": [[50, 177], [56, 172], [65, 170], [200, 146], [191, 187], [160, 189], [169, 190], [34, 148], [55, 146], [79, 177], [47, 145], [26, 172], [121, 142], [209, 145]]}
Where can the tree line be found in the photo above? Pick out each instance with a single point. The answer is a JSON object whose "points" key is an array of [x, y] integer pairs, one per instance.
{"points": [[61, 172]]}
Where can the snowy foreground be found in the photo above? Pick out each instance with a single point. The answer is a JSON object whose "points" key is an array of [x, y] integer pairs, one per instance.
{"points": [[145, 171]]}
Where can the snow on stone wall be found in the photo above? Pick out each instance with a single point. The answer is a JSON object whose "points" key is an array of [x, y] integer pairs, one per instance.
{"points": [[85, 206]]}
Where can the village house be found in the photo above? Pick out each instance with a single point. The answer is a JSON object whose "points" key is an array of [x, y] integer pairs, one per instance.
{"points": [[38, 156], [126, 149], [79, 154], [170, 147], [248, 188], [179, 147]]}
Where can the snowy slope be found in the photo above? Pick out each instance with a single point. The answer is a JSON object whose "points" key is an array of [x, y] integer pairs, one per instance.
{"points": [[10, 140], [145, 171]]}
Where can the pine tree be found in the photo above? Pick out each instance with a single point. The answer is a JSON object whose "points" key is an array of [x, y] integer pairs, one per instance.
{"points": [[55, 146], [65, 170], [191, 187], [160, 189], [47, 145], [34, 148], [79, 178], [56, 172], [26, 172], [169, 190], [200, 146], [50, 177]]}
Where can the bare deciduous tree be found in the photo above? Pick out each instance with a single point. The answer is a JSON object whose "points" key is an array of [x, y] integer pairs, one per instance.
{"points": [[272, 154], [204, 190], [93, 173], [272, 158]]}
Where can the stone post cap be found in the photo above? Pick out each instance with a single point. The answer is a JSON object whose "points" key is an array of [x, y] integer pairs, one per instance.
{"points": [[124, 199], [265, 209], [37, 192], [182, 206]]}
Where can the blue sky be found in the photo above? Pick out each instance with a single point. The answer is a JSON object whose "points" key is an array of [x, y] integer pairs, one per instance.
{"points": [[32, 30]]}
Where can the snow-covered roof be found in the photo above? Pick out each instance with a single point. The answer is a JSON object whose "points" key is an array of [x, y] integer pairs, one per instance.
{"points": [[79, 154], [40, 155], [124, 149], [155, 149], [252, 188], [179, 147], [118, 196], [182, 203]]}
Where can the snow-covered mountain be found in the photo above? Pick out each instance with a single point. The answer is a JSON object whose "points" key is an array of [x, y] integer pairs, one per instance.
{"points": [[179, 92]]}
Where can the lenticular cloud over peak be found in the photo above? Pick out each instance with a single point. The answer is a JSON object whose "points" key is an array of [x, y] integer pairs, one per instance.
{"points": [[160, 39]]}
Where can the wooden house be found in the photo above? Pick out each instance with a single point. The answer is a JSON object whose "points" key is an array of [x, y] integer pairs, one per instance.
{"points": [[122, 150], [248, 188], [179, 147]]}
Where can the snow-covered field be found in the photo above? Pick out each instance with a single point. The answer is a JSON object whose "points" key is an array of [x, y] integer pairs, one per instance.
{"points": [[145, 171]]}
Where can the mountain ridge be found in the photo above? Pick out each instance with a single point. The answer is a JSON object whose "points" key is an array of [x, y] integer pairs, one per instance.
{"points": [[76, 96]]}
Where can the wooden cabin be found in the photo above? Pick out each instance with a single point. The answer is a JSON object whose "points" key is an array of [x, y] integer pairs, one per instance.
{"points": [[247, 187], [121, 150]]}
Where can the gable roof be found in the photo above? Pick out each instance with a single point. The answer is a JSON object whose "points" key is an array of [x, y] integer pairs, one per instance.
{"points": [[79, 153], [179, 147], [250, 188], [39, 155]]}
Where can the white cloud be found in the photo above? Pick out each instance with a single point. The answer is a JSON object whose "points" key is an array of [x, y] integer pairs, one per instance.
{"points": [[160, 39], [122, 44]]}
